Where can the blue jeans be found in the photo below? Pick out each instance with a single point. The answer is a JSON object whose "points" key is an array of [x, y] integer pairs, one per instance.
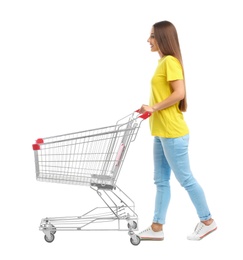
{"points": [[172, 154]]}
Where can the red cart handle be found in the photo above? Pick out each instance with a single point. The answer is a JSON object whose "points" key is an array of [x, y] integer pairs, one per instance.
{"points": [[145, 115]]}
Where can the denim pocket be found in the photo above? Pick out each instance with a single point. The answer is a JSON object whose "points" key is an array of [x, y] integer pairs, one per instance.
{"points": [[181, 141], [185, 138]]}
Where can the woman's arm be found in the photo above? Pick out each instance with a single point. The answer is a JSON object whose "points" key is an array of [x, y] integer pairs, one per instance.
{"points": [[178, 93]]}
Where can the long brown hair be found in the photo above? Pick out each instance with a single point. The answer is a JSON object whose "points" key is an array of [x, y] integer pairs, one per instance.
{"points": [[168, 42]]}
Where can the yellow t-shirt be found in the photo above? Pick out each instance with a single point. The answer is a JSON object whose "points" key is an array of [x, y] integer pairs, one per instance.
{"points": [[168, 122]]}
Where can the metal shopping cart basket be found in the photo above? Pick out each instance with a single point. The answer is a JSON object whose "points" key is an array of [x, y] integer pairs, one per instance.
{"points": [[94, 158]]}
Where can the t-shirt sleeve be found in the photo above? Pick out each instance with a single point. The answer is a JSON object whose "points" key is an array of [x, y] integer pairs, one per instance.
{"points": [[173, 69]]}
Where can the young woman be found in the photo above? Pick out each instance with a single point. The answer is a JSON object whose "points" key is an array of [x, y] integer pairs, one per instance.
{"points": [[171, 134]]}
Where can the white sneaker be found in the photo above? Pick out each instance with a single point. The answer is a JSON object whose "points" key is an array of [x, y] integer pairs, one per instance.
{"points": [[149, 234], [202, 230]]}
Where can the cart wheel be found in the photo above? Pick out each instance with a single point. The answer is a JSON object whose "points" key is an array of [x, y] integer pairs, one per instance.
{"points": [[134, 225], [136, 241], [49, 240]]}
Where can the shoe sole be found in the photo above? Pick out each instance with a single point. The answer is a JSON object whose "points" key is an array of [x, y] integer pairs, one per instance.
{"points": [[151, 239]]}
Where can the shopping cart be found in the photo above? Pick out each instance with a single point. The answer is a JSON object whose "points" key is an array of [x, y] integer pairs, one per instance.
{"points": [[93, 158]]}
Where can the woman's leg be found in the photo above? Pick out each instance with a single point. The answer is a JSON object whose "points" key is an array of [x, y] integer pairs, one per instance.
{"points": [[162, 173], [176, 153], [161, 179]]}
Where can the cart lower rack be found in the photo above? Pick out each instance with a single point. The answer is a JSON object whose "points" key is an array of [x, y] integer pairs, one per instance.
{"points": [[93, 158]]}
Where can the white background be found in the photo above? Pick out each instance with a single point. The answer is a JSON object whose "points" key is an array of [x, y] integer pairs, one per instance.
{"points": [[75, 65]]}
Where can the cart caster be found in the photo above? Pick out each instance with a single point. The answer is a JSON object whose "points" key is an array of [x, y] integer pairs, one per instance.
{"points": [[53, 231], [133, 225], [135, 241], [49, 238]]}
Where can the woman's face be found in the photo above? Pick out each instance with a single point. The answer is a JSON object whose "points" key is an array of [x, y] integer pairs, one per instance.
{"points": [[152, 41]]}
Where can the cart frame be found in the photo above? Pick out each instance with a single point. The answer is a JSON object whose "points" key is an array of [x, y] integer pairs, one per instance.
{"points": [[92, 157]]}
